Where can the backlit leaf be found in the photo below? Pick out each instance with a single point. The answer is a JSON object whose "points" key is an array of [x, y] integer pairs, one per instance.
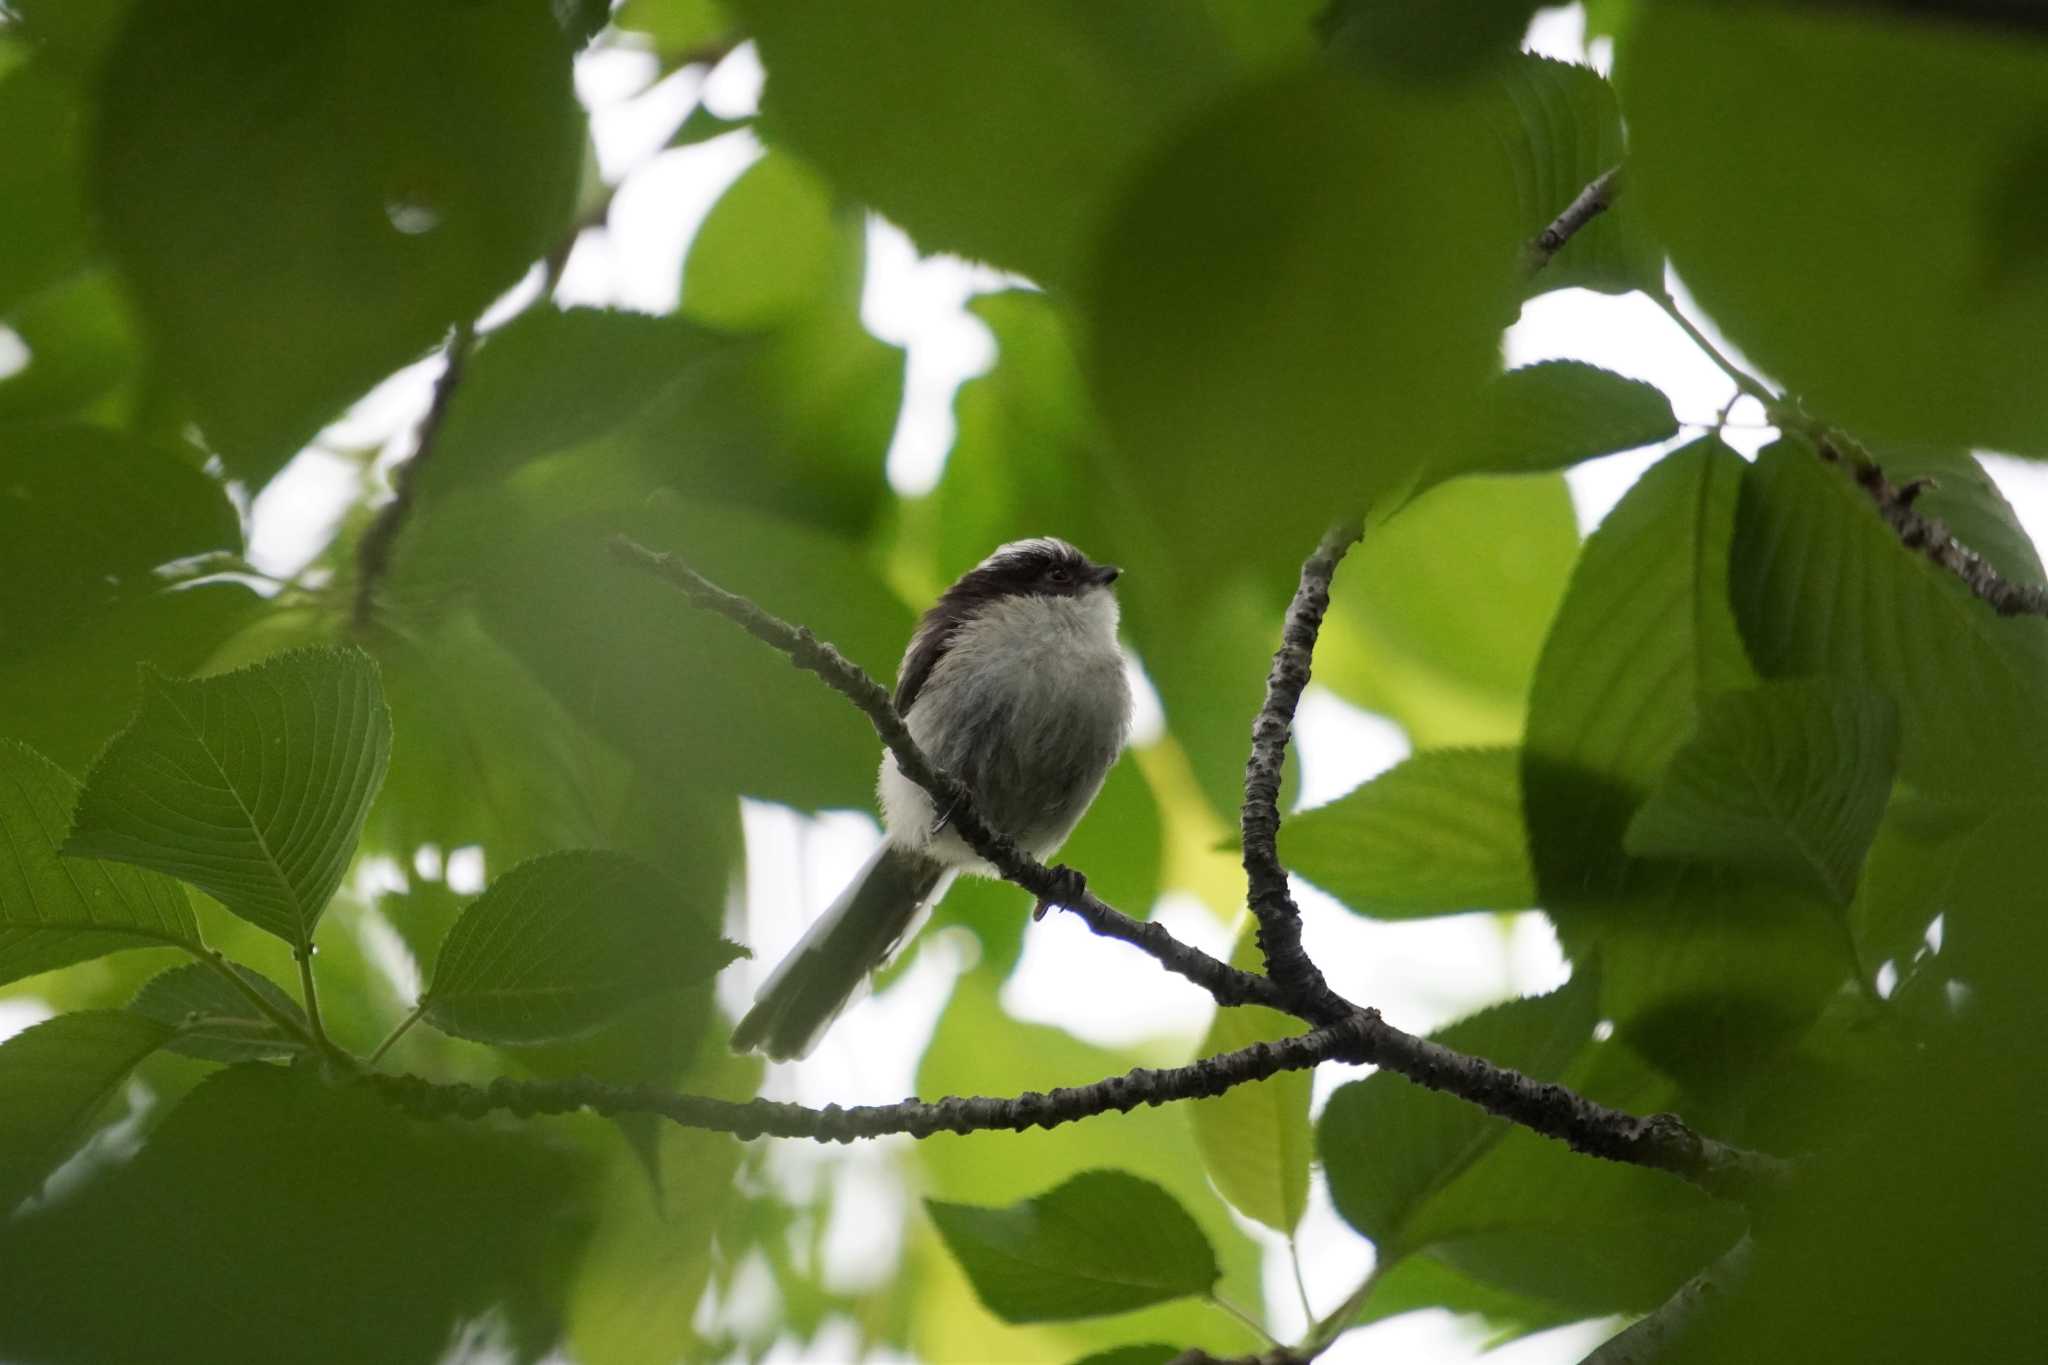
{"points": [[55, 911], [563, 943], [1103, 1242], [252, 785]]}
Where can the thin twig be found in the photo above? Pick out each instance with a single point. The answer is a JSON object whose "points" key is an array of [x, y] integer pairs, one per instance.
{"points": [[1673, 1320], [399, 1032], [1592, 201], [1266, 880], [373, 552], [1060, 886], [918, 1118]]}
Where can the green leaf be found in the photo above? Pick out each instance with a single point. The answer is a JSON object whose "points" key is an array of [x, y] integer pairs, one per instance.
{"points": [[53, 911], [1156, 1144], [1144, 1353], [1768, 140], [448, 142], [1964, 497], [56, 1075], [215, 1021], [1389, 1146], [588, 408], [59, 698], [1443, 40], [1556, 413], [1446, 643], [679, 28], [1560, 129], [81, 338], [1540, 1221], [563, 943], [87, 516], [1376, 371], [772, 244], [1255, 1139], [552, 379], [682, 690], [1437, 834], [1821, 585], [492, 757], [1006, 134], [1704, 971], [1102, 1242], [1422, 1283], [1788, 779], [252, 786], [43, 235], [268, 1185]]}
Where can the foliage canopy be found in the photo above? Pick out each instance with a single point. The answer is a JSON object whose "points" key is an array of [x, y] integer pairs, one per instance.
{"points": [[1761, 747]]}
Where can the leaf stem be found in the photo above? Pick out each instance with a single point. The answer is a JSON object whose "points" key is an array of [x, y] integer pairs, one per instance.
{"points": [[1325, 1333], [1308, 1311], [1246, 1318], [304, 957], [399, 1032], [217, 960], [1744, 380]]}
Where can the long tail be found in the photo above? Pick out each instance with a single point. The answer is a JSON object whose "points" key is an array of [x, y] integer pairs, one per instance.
{"points": [[854, 936]]}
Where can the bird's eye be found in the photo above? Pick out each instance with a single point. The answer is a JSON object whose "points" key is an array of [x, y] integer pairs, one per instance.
{"points": [[1059, 576]]}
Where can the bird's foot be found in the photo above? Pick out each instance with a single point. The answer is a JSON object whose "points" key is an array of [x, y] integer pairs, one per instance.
{"points": [[1069, 888]]}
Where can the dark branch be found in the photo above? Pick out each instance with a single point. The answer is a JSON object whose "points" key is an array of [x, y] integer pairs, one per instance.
{"points": [[1052, 885], [1661, 1141], [1927, 534], [1591, 202], [1266, 880], [1646, 1341], [771, 1118], [373, 552]]}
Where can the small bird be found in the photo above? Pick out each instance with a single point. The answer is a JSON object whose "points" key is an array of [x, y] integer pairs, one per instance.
{"points": [[1013, 683]]}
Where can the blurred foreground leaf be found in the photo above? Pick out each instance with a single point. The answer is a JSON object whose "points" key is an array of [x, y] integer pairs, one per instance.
{"points": [[56, 1075], [1899, 280], [260, 1219], [303, 202]]}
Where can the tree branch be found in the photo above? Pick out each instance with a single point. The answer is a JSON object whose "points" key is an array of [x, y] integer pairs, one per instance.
{"points": [[1591, 202], [373, 551], [1661, 1142], [1060, 886], [1266, 880], [918, 1118], [1928, 535], [1646, 1341]]}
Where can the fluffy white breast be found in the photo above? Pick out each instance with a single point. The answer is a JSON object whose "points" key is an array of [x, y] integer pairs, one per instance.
{"points": [[1052, 668]]}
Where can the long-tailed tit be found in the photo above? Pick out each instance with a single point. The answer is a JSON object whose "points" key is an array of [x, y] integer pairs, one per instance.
{"points": [[1014, 684]]}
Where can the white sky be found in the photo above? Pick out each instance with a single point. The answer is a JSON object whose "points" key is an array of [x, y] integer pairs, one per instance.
{"points": [[1421, 975]]}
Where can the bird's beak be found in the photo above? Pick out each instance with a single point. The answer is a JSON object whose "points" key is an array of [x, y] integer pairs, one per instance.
{"points": [[1106, 574]]}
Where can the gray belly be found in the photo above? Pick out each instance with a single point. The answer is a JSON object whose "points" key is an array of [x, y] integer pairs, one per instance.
{"points": [[1034, 746]]}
